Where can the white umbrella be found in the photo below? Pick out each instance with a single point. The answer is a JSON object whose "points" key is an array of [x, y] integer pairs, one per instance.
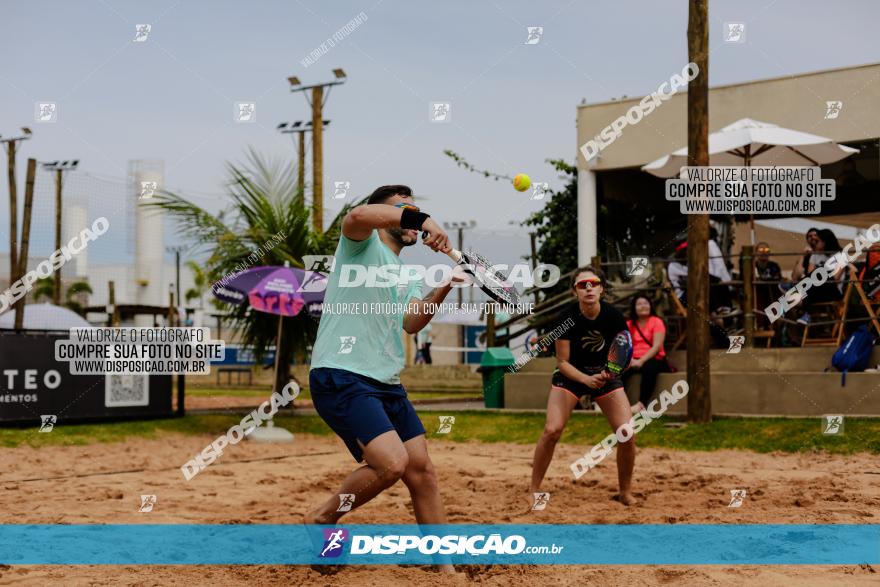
{"points": [[751, 142], [45, 317]]}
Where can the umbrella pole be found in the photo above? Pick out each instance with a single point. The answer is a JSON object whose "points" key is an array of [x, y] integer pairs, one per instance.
{"points": [[278, 352], [278, 341], [748, 163]]}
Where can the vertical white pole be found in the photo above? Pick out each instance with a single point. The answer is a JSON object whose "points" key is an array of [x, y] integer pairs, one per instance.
{"points": [[587, 220]]}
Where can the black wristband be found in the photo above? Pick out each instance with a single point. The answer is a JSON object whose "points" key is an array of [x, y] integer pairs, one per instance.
{"points": [[412, 219]]}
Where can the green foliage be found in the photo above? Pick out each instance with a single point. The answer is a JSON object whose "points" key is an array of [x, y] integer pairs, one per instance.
{"points": [[200, 283], [267, 224], [44, 287], [556, 225]]}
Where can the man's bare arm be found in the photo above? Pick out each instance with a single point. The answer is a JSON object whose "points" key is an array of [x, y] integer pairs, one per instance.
{"points": [[360, 222], [420, 312]]}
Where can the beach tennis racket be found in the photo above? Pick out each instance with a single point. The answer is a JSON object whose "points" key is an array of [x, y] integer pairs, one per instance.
{"points": [[490, 280], [619, 353]]}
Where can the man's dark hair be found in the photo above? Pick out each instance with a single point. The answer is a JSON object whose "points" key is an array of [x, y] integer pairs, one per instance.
{"points": [[381, 194], [594, 270]]}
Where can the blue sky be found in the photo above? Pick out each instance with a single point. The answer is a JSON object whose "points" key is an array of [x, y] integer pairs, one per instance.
{"points": [[513, 105]]}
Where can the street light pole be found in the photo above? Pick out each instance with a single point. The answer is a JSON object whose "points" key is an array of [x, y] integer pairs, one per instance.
{"points": [[59, 167], [460, 226], [300, 129], [317, 105], [176, 250]]}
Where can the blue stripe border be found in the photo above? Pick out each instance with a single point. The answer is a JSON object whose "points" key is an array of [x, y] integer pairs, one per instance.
{"points": [[630, 544]]}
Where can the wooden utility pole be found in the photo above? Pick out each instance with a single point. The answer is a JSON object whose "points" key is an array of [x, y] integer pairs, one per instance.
{"points": [[13, 214], [25, 238], [318, 158], [698, 319], [301, 166], [56, 294], [316, 103], [534, 246], [113, 314], [11, 151]]}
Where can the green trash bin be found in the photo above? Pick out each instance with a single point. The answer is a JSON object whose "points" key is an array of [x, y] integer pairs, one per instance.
{"points": [[493, 365]]}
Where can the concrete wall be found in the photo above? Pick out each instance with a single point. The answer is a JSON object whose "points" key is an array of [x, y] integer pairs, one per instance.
{"points": [[766, 382]]}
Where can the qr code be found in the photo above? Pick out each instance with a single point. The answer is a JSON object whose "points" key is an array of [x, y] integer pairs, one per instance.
{"points": [[126, 390]]}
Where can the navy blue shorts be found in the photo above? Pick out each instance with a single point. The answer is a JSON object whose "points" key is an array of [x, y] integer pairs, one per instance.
{"points": [[359, 408]]}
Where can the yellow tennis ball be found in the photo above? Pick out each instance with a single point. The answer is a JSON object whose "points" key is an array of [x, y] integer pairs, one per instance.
{"points": [[522, 182]]}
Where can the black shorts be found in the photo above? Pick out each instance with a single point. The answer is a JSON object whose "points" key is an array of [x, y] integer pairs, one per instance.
{"points": [[580, 390]]}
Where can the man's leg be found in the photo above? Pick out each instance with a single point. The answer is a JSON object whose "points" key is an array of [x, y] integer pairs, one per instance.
{"points": [[386, 459], [616, 408], [559, 407], [421, 479]]}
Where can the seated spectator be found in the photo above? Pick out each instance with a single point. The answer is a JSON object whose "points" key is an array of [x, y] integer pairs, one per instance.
{"points": [[722, 302], [678, 271], [678, 276], [800, 267], [765, 269], [768, 275], [649, 358], [870, 273], [825, 245], [717, 266]]}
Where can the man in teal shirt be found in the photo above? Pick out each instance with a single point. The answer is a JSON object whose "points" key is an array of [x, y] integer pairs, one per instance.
{"points": [[357, 357]]}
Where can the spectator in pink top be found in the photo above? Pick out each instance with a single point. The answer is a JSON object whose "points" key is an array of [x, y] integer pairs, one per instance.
{"points": [[649, 358]]}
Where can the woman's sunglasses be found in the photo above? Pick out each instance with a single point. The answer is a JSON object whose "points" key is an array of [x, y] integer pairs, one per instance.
{"points": [[592, 282], [407, 206]]}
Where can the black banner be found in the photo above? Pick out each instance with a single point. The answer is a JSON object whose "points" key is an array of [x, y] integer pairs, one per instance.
{"points": [[34, 384]]}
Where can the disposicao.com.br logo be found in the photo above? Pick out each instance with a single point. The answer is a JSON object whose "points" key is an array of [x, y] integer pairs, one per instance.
{"points": [[431, 544]]}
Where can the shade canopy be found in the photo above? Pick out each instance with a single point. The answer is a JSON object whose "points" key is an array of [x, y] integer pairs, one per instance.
{"points": [[755, 143], [45, 317]]}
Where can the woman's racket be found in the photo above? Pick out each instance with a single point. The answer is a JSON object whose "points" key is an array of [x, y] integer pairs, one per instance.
{"points": [[619, 353]]}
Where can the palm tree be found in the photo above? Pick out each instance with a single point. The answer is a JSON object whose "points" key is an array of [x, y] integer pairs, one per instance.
{"points": [[45, 288], [265, 202], [75, 291], [200, 283]]}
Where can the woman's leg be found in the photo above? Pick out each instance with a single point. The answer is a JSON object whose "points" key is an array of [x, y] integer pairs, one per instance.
{"points": [[559, 406], [615, 406]]}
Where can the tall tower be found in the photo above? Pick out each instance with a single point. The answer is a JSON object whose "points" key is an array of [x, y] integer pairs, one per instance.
{"points": [[76, 218], [147, 177]]}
